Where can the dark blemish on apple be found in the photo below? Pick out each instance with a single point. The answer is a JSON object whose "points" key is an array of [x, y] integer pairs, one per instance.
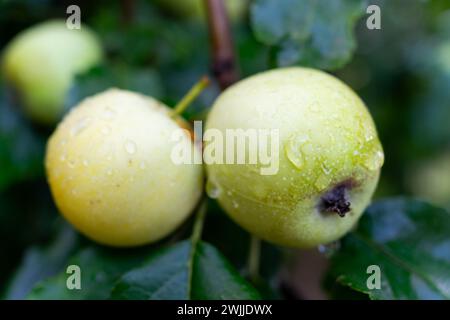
{"points": [[336, 199]]}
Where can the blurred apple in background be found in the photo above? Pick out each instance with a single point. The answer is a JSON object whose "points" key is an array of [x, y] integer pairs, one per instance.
{"points": [[41, 62]]}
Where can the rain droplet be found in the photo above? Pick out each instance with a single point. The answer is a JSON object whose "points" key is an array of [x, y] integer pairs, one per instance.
{"points": [[80, 126], [130, 147], [108, 113], [212, 190], [375, 161], [293, 150], [368, 135], [109, 172], [235, 204], [62, 158], [295, 157], [325, 168], [142, 165], [329, 249], [85, 163]]}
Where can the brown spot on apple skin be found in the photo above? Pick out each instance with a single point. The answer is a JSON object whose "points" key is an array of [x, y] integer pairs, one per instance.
{"points": [[336, 200]]}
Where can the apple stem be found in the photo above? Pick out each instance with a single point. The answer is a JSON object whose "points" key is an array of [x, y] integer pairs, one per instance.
{"points": [[192, 94], [254, 258]]}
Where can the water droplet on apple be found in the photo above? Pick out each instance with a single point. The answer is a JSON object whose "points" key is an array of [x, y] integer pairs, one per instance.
{"points": [[212, 190], [130, 147], [80, 126], [329, 249], [325, 168], [369, 135], [108, 113], [374, 161], [293, 150], [295, 157]]}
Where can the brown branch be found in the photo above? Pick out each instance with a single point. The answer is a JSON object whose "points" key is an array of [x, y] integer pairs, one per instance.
{"points": [[127, 7], [224, 65]]}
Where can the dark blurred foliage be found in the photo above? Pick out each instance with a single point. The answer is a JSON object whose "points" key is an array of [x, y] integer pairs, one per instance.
{"points": [[396, 72], [402, 72]]}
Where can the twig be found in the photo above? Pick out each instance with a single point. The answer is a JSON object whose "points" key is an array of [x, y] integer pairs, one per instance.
{"points": [[195, 239], [224, 65], [127, 7], [192, 94]]}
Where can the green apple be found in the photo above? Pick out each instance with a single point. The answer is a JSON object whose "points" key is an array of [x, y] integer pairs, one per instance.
{"points": [[110, 169], [329, 157], [41, 62], [195, 9]]}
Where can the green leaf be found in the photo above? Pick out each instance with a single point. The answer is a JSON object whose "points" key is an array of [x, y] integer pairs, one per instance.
{"points": [[100, 268], [185, 271], [409, 241], [41, 262], [214, 278], [164, 276], [315, 33], [234, 243]]}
